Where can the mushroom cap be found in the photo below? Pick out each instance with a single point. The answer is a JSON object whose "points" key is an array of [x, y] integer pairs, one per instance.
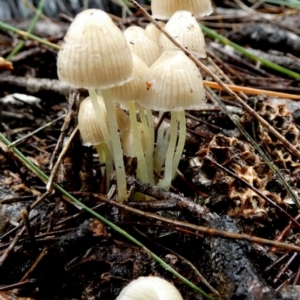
{"points": [[129, 141], [95, 53], [164, 9], [142, 44], [149, 288], [89, 126], [153, 31], [184, 28], [173, 83], [131, 90]]}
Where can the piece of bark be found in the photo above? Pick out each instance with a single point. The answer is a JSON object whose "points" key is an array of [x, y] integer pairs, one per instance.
{"points": [[35, 85], [235, 275], [266, 37]]}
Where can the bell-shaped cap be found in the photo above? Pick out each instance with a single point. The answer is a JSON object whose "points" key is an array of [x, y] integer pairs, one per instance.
{"points": [[173, 83], [131, 90], [153, 31], [184, 28], [89, 126], [142, 44], [151, 287], [95, 53], [164, 9]]}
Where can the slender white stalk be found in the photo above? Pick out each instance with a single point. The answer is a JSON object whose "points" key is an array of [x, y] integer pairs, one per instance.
{"points": [[166, 181], [101, 156], [141, 161], [159, 142], [116, 145], [109, 166], [150, 124], [149, 145], [101, 118], [181, 141], [162, 147], [105, 158]]}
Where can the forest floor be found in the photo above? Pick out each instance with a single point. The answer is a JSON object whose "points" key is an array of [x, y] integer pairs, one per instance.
{"points": [[229, 222]]}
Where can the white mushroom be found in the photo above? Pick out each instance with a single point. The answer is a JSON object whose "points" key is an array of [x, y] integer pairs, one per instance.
{"points": [[149, 288]]}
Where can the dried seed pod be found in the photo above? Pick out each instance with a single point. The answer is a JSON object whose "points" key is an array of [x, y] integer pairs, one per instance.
{"points": [[142, 44], [150, 288], [184, 28], [153, 31], [165, 9], [95, 53], [173, 83], [89, 125]]}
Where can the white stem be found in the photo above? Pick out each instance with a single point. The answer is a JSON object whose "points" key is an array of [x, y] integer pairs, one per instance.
{"points": [[181, 141], [162, 147], [109, 166], [159, 142], [139, 152], [166, 181], [149, 145], [100, 115], [101, 156], [150, 124], [116, 145], [105, 158]]}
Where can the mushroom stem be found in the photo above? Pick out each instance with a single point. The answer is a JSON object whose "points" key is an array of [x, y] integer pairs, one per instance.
{"points": [[162, 141], [105, 157], [166, 181], [100, 117], [147, 128], [141, 161], [116, 145], [150, 124], [101, 156], [181, 141]]}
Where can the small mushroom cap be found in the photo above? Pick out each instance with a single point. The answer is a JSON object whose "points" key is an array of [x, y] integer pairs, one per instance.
{"points": [[129, 141], [184, 28], [89, 126], [153, 31], [164, 9], [131, 90], [142, 44], [173, 83], [95, 53], [149, 288]]}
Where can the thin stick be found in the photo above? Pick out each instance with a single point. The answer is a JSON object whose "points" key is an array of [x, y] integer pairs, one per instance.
{"points": [[49, 186], [11, 246], [250, 90], [202, 229], [35, 131]]}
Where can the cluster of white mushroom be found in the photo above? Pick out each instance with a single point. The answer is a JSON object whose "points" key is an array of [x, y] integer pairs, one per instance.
{"points": [[140, 70]]}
